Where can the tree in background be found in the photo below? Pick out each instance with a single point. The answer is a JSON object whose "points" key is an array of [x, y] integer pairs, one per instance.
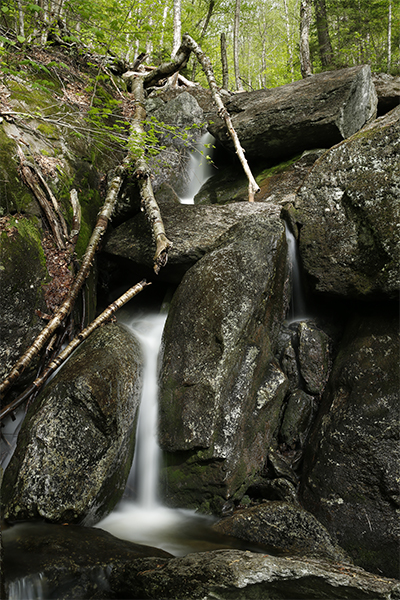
{"points": [[305, 24], [261, 36]]}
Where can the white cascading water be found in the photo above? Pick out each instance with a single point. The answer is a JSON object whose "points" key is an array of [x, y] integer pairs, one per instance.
{"points": [[144, 520], [200, 168], [297, 311]]}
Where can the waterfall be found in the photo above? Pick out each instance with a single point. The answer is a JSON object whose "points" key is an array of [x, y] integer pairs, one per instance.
{"points": [[140, 517], [199, 169], [297, 309], [145, 469]]}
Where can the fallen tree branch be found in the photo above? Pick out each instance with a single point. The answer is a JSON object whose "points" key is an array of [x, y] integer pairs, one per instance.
{"points": [[84, 270], [77, 216], [31, 178], [61, 358], [205, 62], [142, 172]]}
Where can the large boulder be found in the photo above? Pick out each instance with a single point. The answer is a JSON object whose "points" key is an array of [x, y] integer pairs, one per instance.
{"points": [[351, 477], [283, 528], [71, 562], [53, 561], [316, 112], [238, 575], [22, 275], [193, 231], [388, 91], [76, 444], [348, 209], [221, 391]]}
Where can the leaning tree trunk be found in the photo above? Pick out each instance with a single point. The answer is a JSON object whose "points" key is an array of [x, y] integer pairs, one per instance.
{"points": [[62, 357], [324, 40], [236, 26], [66, 307], [224, 61], [305, 22], [223, 113]]}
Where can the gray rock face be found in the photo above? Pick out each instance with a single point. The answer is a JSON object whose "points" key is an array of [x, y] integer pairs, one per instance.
{"points": [[66, 562], [313, 357], [349, 209], [76, 444], [238, 575], [193, 231], [351, 479], [22, 274], [388, 91], [221, 391], [316, 112], [284, 528], [90, 563]]}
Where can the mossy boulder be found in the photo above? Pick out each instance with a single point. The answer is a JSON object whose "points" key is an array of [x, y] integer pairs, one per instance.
{"points": [[349, 213], [221, 391], [351, 476], [76, 444], [23, 274]]}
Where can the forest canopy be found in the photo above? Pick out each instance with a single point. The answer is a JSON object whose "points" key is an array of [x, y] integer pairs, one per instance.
{"points": [[342, 33]]}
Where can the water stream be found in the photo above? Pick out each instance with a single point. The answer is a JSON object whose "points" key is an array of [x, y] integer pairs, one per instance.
{"points": [[297, 310], [140, 517], [199, 169]]}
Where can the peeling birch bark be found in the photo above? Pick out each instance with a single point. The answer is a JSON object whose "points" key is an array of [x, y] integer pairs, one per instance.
{"points": [[143, 173], [61, 358], [83, 272], [223, 113], [32, 179]]}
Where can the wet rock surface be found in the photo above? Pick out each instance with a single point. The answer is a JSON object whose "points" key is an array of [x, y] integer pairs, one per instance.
{"points": [[285, 528], [351, 480], [22, 274], [221, 391], [349, 212], [76, 444], [88, 563], [193, 231], [329, 107]]}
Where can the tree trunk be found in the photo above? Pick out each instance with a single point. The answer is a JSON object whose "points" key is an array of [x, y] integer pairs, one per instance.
{"points": [[177, 28], [389, 39], [61, 358], [305, 22], [66, 307], [289, 40], [203, 32], [238, 81], [224, 61], [222, 112], [324, 40]]}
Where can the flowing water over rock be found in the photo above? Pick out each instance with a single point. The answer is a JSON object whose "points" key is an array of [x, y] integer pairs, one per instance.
{"points": [[140, 517], [199, 169]]}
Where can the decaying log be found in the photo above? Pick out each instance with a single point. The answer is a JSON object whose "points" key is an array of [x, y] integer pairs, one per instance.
{"points": [[58, 361], [84, 270], [33, 178], [143, 173], [223, 113], [77, 216]]}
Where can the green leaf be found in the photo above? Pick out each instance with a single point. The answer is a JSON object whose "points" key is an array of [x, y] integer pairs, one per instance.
{"points": [[21, 39]]}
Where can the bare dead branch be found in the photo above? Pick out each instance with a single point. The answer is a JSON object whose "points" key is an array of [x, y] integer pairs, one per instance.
{"points": [[149, 203], [57, 362], [77, 216], [84, 270], [205, 62]]}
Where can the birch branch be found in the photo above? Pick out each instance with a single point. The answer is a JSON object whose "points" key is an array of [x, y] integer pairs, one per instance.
{"points": [[205, 62], [77, 216], [62, 357], [143, 173], [31, 179], [87, 260]]}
